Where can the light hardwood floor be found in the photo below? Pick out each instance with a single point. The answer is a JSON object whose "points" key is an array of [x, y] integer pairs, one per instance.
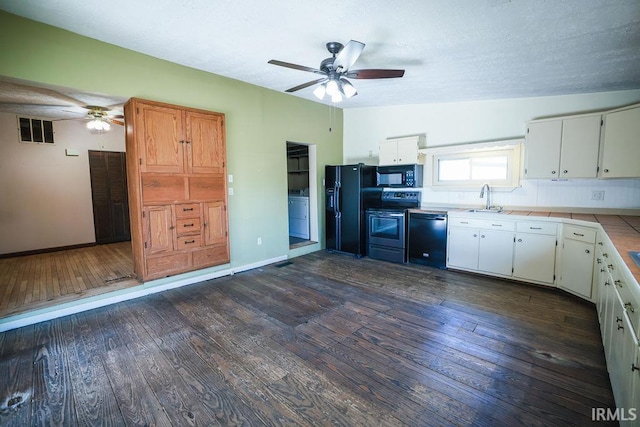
{"points": [[43, 280], [324, 339]]}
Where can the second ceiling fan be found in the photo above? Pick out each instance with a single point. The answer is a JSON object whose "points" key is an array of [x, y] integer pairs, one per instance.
{"points": [[335, 71]]}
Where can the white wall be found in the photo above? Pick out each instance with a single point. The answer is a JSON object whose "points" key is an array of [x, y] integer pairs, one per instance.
{"points": [[45, 196], [460, 122]]}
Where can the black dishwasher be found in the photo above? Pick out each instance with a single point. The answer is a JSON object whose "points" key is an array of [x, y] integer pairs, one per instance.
{"points": [[427, 238]]}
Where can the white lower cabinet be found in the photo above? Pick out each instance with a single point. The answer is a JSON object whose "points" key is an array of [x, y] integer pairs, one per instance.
{"points": [[617, 299], [465, 242], [534, 257], [495, 252], [481, 245], [577, 255]]}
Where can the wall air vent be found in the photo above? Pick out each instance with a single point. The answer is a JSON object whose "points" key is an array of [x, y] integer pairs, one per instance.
{"points": [[35, 130]]}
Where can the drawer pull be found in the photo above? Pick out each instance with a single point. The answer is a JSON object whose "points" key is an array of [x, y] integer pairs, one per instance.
{"points": [[618, 283], [188, 225], [187, 242], [606, 283], [578, 234], [464, 222], [620, 327], [634, 367], [629, 307], [187, 209], [535, 228], [496, 225], [618, 319]]}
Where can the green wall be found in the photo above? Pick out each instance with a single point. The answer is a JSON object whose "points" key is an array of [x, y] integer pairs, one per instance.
{"points": [[259, 121]]}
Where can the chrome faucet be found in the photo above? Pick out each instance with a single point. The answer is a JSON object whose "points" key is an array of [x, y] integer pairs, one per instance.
{"points": [[488, 195]]}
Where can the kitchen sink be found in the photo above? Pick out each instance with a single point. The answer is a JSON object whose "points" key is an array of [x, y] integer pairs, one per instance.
{"points": [[492, 210]]}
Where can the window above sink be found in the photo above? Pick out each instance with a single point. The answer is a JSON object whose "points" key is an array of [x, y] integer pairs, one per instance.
{"points": [[469, 166]]}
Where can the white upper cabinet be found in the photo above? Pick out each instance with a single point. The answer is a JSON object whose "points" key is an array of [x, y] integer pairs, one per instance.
{"points": [[563, 148], [621, 144], [543, 149], [401, 151]]}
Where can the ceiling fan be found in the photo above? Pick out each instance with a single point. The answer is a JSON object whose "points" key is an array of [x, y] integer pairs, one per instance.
{"points": [[59, 103], [99, 118], [335, 71]]}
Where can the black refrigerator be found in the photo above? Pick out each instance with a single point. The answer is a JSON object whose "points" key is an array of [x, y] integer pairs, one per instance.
{"points": [[349, 191]]}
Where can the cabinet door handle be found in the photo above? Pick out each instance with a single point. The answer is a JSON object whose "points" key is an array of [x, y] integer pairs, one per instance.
{"points": [[171, 227], [181, 141], [565, 171], [606, 171], [475, 235], [535, 228], [496, 225], [618, 283], [578, 234], [634, 367], [482, 236], [587, 251], [519, 240], [629, 307], [553, 172], [620, 327], [204, 224]]}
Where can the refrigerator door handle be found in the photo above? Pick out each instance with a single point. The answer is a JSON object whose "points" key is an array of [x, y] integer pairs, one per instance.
{"points": [[336, 199]]}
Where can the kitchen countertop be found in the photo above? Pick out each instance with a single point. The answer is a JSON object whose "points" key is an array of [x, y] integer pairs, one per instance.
{"points": [[623, 230]]}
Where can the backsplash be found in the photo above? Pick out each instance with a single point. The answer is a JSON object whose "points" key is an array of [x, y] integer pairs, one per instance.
{"points": [[618, 194]]}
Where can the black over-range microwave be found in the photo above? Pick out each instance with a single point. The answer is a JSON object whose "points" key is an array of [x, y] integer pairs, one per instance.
{"points": [[399, 176]]}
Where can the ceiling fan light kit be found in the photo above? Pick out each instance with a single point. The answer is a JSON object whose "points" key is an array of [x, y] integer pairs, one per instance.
{"points": [[98, 124], [335, 69]]}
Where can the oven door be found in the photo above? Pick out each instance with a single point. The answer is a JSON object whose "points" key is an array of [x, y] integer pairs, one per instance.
{"points": [[386, 228]]}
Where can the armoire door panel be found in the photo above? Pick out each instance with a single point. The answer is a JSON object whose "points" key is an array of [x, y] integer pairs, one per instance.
{"points": [[159, 229], [206, 142], [209, 256], [215, 223], [161, 266], [162, 188], [161, 131], [209, 187]]}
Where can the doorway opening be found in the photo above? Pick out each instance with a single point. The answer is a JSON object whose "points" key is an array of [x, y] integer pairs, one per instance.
{"points": [[302, 194]]}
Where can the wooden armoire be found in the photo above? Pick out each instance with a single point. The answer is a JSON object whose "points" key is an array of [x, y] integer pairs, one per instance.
{"points": [[177, 188]]}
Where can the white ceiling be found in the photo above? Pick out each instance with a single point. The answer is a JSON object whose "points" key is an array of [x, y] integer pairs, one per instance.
{"points": [[452, 50]]}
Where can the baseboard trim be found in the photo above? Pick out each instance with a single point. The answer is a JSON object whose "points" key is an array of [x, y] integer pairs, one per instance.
{"points": [[148, 288]]}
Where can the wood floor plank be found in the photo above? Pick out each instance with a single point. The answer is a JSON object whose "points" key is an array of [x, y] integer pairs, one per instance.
{"points": [[95, 402], [52, 390], [16, 376]]}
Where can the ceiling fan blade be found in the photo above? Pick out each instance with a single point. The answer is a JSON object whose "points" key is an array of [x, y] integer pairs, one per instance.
{"points": [[374, 74], [348, 55], [118, 122], [307, 84], [295, 66]]}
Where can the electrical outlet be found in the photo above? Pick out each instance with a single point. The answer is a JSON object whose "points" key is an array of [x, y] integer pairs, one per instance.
{"points": [[231, 191], [259, 241], [597, 195]]}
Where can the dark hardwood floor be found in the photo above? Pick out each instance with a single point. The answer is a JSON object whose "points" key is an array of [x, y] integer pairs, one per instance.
{"points": [[324, 339]]}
